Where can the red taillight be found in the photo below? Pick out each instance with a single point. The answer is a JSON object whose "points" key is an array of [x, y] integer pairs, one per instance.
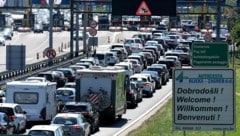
{"points": [[72, 97], [13, 117], [76, 127], [146, 84], [130, 92], [172, 67]]}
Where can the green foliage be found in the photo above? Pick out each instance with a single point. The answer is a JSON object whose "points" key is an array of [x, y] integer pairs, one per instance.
{"points": [[235, 32]]}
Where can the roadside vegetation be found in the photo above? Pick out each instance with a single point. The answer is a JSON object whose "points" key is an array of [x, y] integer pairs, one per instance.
{"points": [[161, 123]]}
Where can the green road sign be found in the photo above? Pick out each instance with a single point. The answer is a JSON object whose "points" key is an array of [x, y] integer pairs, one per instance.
{"points": [[209, 55]]}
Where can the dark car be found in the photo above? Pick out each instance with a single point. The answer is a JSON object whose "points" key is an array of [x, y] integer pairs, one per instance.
{"points": [[155, 76], [134, 94], [171, 65], [69, 73], [160, 71], [54, 76], [185, 59], [6, 124], [88, 110]]}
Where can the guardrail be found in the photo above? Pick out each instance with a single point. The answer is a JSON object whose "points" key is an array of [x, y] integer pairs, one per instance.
{"points": [[32, 69]]}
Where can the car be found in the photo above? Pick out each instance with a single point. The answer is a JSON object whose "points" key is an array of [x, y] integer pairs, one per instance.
{"points": [[54, 76], [127, 66], [77, 67], [119, 52], [165, 69], [65, 94], [136, 65], [92, 60], [6, 124], [161, 72], [183, 46], [74, 123], [121, 45], [172, 41], [155, 76], [69, 73], [47, 130], [2, 40], [41, 79], [171, 65], [70, 85], [133, 94], [15, 112], [85, 64], [149, 58], [155, 49], [8, 33], [38, 28], [178, 63], [185, 58], [88, 110], [145, 82]]}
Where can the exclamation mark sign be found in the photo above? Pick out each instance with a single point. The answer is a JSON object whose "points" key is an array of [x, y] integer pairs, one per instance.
{"points": [[221, 90], [226, 107], [218, 116]]}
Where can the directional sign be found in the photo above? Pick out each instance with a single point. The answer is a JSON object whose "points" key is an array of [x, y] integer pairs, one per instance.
{"points": [[143, 10], [204, 99], [51, 53], [210, 55]]}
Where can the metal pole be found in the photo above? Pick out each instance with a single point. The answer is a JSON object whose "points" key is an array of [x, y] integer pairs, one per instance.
{"points": [[51, 24], [77, 35], [218, 20], [85, 29], [71, 28], [50, 62]]}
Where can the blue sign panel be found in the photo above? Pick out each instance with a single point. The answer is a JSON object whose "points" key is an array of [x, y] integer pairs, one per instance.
{"points": [[63, 2], [199, 2]]}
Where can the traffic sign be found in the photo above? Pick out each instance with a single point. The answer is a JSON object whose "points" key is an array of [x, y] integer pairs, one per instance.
{"points": [[51, 53], [209, 55], [143, 10], [92, 31], [204, 99], [93, 24]]}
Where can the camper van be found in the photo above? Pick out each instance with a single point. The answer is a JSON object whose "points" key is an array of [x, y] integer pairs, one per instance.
{"points": [[36, 97]]}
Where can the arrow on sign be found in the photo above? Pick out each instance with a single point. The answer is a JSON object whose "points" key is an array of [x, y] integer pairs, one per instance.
{"points": [[143, 10]]}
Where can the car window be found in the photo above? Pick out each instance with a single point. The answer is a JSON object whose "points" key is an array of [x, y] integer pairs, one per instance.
{"points": [[41, 133], [64, 92], [65, 120], [73, 108], [8, 111]]}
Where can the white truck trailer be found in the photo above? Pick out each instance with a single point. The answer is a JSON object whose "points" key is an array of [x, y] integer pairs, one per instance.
{"points": [[37, 98], [105, 87]]}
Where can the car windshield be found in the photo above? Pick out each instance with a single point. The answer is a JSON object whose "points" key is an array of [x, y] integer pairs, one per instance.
{"points": [[41, 133]]}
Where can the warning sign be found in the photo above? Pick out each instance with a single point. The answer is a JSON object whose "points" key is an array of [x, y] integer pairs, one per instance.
{"points": [[204, 99], [143, 10]]}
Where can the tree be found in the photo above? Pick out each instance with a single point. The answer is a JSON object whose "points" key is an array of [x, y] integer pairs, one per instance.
{"points": [[235, 32]]}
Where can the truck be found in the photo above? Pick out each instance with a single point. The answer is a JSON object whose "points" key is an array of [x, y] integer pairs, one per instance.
{"points": [[36, 97], [105, 88]]}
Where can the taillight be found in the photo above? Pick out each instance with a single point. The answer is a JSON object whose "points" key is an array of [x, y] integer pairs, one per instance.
{"points": [[13, 117], [146, 84], [172, 67], [76, 127], [130, 92], [72, 97]]}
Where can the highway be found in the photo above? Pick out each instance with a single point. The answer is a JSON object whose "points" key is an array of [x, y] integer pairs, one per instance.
{"points": [[36, 43]]}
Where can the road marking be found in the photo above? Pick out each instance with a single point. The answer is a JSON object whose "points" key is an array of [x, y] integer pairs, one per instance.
{"points": [[162, 101]]}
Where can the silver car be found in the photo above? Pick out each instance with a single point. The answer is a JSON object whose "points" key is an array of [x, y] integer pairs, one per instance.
{"points": [[74, 123]]}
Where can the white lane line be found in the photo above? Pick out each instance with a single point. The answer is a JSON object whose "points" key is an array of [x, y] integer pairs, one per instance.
{"points": [[164, 100]]}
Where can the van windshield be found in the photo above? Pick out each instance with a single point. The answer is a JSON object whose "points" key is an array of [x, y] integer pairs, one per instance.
{"points": [[26, 97]]}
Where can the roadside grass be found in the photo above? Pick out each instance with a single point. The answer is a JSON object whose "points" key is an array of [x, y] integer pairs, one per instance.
{"points": [[161, 123]]}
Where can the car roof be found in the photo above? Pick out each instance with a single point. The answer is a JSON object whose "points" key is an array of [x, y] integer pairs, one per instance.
{"points": [[45, 127], [10, 105], [76, 115], [78, 103]]}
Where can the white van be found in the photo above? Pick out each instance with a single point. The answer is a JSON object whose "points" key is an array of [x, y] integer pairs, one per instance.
{"points": [[36, 97]]}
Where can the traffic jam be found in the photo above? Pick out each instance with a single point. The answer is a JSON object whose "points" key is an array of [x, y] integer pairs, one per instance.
{"points": [[100, 87]]}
